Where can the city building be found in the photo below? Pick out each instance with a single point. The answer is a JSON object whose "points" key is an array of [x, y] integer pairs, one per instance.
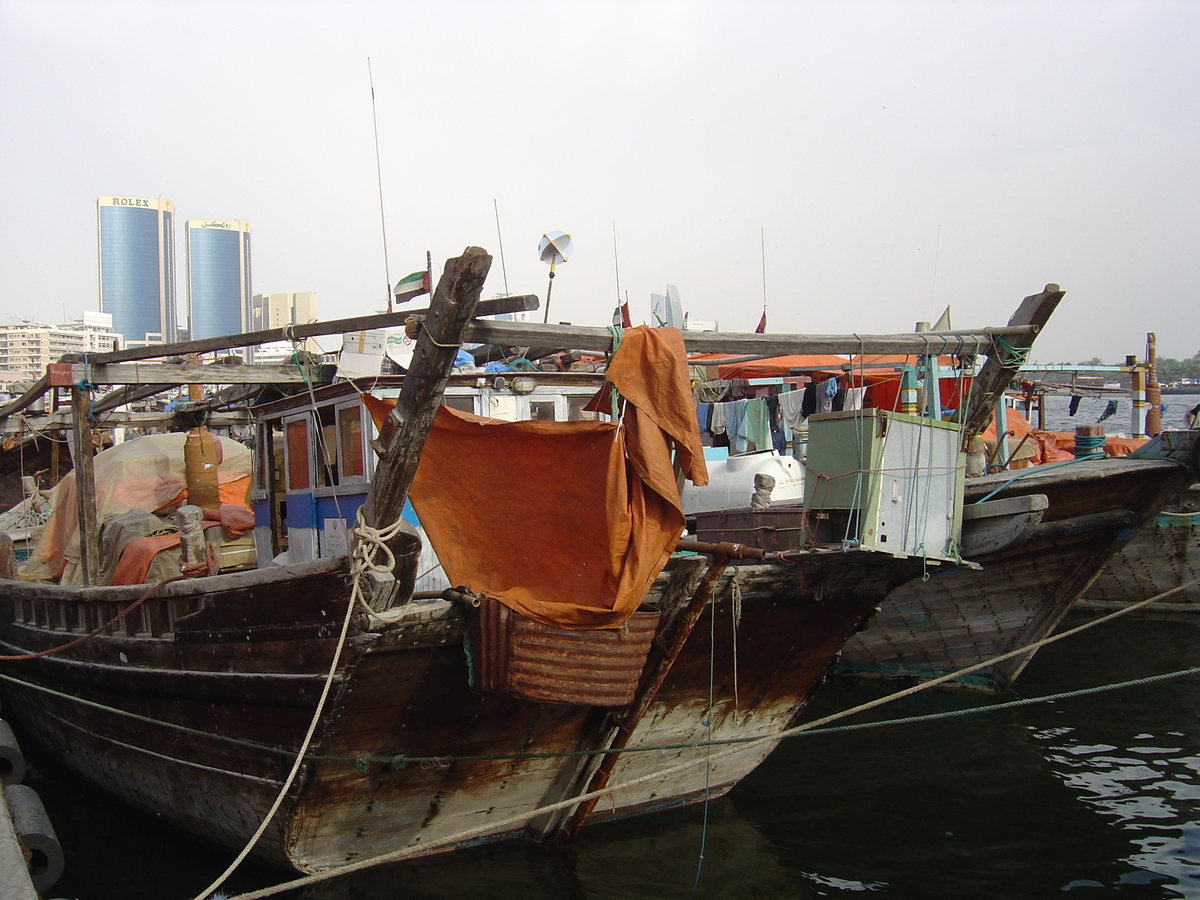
{"points": [[666, 309], [136, 248], [27, 347], [218, 276], [275, 311]]}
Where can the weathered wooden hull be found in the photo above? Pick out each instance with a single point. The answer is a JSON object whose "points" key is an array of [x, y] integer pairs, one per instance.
{"points": [[958, 618], [1162, 556], [221, 677]]}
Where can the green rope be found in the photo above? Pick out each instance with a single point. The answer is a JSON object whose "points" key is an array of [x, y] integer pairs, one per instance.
{"points": [[1009, 356]]}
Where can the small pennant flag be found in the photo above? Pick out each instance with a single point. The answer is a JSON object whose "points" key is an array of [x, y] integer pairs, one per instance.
{"points": [[762, 324], [410, 286]]}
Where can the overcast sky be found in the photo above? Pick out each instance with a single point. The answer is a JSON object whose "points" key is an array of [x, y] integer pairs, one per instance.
{"points": [[890, 158]]}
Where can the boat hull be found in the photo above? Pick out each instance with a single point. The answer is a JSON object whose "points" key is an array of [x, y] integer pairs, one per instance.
{"points": [[1163, 556], [957, 619], [194, 705]]}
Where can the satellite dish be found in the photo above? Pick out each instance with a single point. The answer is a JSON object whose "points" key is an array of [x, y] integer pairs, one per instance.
{"points": [[555, 247]]}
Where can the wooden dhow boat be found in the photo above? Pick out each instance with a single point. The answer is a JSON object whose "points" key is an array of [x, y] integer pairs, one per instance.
{"points": [[1163, 556], [320, 710], [1063, 527], [1041, 535]]}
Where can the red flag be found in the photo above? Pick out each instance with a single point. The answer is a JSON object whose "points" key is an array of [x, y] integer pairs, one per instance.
{"points": [[625, 323], [762, 324]]}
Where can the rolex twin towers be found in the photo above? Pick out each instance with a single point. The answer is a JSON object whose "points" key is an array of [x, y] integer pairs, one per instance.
{"points": [[137, 271]]}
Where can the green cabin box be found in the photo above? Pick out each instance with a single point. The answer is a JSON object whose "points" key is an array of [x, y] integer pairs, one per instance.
{"points": [[887, 481]]}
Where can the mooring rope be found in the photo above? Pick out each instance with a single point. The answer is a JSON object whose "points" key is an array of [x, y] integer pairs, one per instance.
{"points": [[369, 544], [300, 755], [523, 817]]}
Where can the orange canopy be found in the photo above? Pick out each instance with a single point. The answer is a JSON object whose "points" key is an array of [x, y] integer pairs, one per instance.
{"points": [[780, 366], [566, 522]]}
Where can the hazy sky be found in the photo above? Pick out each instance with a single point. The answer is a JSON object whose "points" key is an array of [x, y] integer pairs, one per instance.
{"points": [[893, 157]]}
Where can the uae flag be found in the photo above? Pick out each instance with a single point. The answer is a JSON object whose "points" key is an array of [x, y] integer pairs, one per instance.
{"points": [[762, 324], [621, 316], [410, 286]]}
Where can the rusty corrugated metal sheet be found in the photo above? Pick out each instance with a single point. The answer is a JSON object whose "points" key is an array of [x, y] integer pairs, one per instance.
{"points": [[517, 656]]}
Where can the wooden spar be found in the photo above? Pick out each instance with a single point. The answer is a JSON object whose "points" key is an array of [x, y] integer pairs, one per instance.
{"points": [[580, 337], [519, 303], [171, 375], [38, 389], [85, 489], [404, 431], [62, 422], [997, 373]]}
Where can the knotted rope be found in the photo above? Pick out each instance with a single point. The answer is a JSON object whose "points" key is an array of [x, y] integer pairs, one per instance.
{"points": [[369, 543]]}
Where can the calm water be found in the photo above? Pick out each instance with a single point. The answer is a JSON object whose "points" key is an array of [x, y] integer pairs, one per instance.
{"points": [[1096, 796]]}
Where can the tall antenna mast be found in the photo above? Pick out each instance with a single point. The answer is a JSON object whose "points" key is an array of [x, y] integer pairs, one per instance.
{"points": [[500, 241], [616, 268], [937, 251], [762, 244], [379, 175]]}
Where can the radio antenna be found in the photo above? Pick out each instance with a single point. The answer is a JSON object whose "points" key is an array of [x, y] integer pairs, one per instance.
{"points": [[379, 175]]}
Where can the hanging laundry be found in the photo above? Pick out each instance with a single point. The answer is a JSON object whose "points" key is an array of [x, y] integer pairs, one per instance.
{"points": [[755, 425], [1108, 411], [735, 414], [716, 421], [772, 402], [808, 405], [1073, 406], [825, 394], [790, 407], [703, 414], [854, 398]]}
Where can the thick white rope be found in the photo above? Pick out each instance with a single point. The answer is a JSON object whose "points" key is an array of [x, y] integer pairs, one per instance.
{"points": [[371, 542]]}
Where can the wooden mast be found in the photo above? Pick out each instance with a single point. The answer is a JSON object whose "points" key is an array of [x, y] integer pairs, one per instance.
{"points": [[404, 431], [1001, 367]]}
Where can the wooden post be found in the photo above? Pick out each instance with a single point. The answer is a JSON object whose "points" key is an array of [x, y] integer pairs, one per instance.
{"points": [[85, 489], [1153, 388], [404, 431], [54, 447], [1001, 367], [1137, 381]]}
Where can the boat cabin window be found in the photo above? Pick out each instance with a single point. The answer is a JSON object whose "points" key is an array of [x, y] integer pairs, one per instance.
{"points": [[350, 441], [297, 455], [576, 411], [541, 410], [462, 404], [327, 448]]}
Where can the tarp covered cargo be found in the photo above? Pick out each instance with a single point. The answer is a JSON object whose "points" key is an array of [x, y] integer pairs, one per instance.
{"points": [[567, 523]]}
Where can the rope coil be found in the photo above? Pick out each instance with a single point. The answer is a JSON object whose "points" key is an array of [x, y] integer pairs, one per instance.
{"points": [[369, 544]]}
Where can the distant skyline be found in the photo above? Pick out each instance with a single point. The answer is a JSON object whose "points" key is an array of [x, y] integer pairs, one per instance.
{"points": [[877, 161]]}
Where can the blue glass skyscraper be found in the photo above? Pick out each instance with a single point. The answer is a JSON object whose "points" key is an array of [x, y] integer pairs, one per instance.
{"points": [[137, 267], [219, 291]]}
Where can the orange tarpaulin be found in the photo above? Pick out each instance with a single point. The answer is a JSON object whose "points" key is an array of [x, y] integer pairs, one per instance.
{"points": [[566, 522], [781, 366]]}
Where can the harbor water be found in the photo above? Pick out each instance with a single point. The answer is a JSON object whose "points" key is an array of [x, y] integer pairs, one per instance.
{"points": [[1096, 795]]}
